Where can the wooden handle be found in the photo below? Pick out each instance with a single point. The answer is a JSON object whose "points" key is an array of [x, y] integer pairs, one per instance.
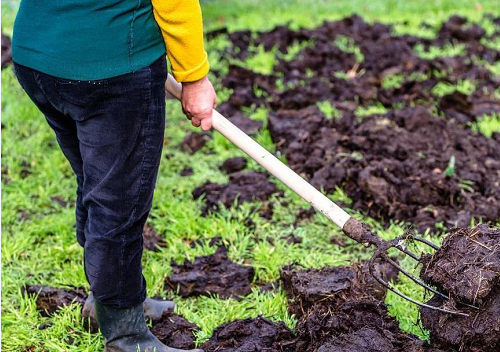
{"points": [[272, 164]]}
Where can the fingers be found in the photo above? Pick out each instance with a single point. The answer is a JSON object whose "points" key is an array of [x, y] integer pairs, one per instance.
{"points": [[206, 123]]}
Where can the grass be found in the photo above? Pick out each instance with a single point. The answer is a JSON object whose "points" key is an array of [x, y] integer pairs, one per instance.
{"points": [[38, 241]]}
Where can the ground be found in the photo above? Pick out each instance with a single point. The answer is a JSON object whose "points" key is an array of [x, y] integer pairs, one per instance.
{"points": [[38, 241]]}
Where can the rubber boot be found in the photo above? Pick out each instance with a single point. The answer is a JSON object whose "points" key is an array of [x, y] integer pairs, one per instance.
{"points": [[153, 309], [125, 330]]}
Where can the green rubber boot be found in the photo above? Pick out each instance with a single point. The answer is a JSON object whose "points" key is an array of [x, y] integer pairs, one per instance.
{"points": [[153, 309], [125, 330]]}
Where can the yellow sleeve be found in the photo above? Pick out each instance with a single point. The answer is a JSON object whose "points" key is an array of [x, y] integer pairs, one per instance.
{"points": [[181, 25]]}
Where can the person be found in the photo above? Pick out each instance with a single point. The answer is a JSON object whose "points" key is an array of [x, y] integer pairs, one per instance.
{"points": [[96, 69]]}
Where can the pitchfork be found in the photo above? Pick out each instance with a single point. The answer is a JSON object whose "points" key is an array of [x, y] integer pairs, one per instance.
{"points": [[349, 225]]}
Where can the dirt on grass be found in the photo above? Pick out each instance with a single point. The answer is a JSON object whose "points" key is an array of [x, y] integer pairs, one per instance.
{"points": [[243, 186], [151, 239], [251, 335], [175, 331], [232, 165], [214, 274], [50, 299], [408, 164], [467, 267]]}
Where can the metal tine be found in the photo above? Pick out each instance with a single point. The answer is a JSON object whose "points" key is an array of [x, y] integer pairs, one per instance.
{"points": [[399, 293], [423, 240], [421, 283]]}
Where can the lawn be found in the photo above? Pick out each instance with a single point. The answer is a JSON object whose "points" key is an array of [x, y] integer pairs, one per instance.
{"points": [[38, 190]]}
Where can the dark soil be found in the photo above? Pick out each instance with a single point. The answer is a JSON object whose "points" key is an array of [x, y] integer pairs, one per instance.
{"points": [[194, 141], [233, 165], [467, 267], [242, 187], [50, 299], [392, 165], [187, 171], [6, 51], [341, 309], [333, 285], [251, 335], [151, 238], [211, 275], [175, 331]]}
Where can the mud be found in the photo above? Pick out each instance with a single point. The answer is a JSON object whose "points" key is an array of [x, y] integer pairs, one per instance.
{"points": [[151, 240], [175, 331], [467, 267], [187, 171], [215, 274], [50, 299], [242, 187], [194, 141], [233, 165], [392, 165], [251, 335], [333, 285]]}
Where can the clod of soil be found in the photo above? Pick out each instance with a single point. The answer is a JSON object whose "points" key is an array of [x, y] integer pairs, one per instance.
{"points": [[233, 165], [6, 51], [467, 266], [212, 274], [479, 332], [50, 299], [175, 331], [187, 171], [333, 285], [151, 238], [242, 187], [194, 142], [354, 326], [251, 335]]}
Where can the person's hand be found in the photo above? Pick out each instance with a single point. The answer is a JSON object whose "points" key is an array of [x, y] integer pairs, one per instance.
{"points": [[198, 100]]}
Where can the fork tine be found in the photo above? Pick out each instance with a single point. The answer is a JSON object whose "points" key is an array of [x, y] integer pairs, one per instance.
{"points": [[399, 293], [421, 283], [423, 240]]}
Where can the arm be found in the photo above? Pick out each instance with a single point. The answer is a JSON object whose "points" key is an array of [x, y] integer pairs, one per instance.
{"points": [[181, 25]]}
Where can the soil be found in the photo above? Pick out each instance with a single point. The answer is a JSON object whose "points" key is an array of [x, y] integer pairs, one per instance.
{"points": [[194, 141], [233, 165], [467, 266], [242, 187], [251, 335], [211, 275], [187, 171], [333, 285], [50, 299], [392, 165], [175, 331], [6, 51], [151, 238]]}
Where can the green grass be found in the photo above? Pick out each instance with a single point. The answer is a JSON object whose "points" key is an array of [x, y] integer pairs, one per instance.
{"points": [[38, 241]]}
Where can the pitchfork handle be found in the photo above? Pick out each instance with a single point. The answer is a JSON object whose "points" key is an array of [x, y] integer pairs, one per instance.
{"points": [[270, 162]]}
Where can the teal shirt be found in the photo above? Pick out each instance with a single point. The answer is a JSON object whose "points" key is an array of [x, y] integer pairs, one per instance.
{"points": [[86, 39]]}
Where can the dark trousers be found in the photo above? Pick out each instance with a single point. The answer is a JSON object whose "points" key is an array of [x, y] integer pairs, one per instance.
{"points": [[111, 131]]}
